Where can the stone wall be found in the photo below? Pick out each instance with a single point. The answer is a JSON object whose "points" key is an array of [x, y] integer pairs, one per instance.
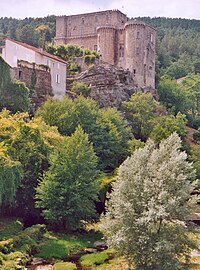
{"points": [[37, 79], [122, 42]]}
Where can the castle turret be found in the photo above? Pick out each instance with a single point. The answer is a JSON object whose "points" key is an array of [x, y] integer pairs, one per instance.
{"points": [[106, 42], [61, 29], [134, 49], [140, 52]]}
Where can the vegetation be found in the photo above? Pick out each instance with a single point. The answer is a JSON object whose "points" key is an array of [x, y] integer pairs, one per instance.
{"points": [[57, 166], [64, 265], [68, 190], [94, 259], [151, 192], [106, 128], [13, 95]]}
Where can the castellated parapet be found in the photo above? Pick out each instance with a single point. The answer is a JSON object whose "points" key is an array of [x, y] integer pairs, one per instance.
{"points": [[122, 42]]}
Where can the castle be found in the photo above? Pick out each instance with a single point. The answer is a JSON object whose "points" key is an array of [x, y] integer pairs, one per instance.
{"points": [[122, 42]]}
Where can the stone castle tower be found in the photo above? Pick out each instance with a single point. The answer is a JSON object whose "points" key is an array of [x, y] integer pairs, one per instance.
{"points": [[122, 42]]}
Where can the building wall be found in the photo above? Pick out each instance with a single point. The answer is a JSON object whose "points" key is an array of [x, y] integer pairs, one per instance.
{"points": [[58, 72], [37, 79], [14, 52], [129, 44], [86, 24]]}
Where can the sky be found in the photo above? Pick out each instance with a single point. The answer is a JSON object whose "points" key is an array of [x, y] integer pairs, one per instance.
{"points": [[189, 9]]}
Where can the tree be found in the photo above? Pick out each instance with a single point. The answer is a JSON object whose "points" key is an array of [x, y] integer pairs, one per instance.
{"points": [[139, 111], [164, 126], [150, 194], [28, 144], [27, 34], [173, 96], [68, 190], [11, 174], [106, 128]]}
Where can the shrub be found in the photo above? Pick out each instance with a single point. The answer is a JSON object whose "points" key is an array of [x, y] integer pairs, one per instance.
{"points": [[64, 266], [74, 67], [196, 136], [89, 59], [94, 259], [81, 88]]}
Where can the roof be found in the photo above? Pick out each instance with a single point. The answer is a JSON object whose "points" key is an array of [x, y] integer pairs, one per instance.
{"points": [[38, 50]]}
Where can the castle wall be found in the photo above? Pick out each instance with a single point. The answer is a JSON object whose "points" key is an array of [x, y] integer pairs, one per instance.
{"points": [[129, 44], [107, 44], [86, 24], [89, 42]]}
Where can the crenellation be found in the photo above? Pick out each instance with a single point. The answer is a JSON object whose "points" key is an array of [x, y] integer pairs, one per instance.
{"points": [[123, 42]]}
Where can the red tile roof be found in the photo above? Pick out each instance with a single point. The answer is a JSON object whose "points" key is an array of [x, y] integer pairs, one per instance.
{"points": [[38, 50]]}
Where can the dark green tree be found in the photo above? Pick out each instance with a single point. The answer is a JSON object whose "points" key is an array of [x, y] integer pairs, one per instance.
{"points": [[106, 128]]}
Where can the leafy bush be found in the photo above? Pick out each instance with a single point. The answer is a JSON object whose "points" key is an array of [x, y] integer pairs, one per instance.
{"points": [[9, 227], [94, 259], [26, 241], [89, 59], [81, 88], [74, 67], [64, 266]]}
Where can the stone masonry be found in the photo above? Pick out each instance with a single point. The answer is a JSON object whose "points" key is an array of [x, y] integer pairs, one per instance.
{"points": [[38, 80], [122, 42]]}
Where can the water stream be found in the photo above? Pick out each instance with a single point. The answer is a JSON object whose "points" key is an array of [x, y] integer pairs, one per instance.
{"points": [[40, 267]]}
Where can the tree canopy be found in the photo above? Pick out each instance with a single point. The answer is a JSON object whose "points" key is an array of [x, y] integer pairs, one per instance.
{"points": [[68, 190], [151, 192]]}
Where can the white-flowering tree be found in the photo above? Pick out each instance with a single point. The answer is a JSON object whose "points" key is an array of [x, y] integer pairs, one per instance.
{"points": [[151, 193]]}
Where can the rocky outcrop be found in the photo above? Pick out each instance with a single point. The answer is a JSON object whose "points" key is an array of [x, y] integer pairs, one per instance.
{"points": [[110, 86]]}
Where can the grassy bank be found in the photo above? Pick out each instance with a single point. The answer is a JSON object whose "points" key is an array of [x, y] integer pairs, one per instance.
{"points": [[18, 246]]}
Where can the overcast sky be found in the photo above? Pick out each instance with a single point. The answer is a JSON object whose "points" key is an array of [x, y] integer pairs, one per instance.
{"points": [[133, 8]]}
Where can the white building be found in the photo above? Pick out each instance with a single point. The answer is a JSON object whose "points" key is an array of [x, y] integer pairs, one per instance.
{"points": [[15, 51]]}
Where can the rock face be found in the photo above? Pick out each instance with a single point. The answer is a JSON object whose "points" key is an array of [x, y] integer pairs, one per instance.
{"points": [[110, 86]]}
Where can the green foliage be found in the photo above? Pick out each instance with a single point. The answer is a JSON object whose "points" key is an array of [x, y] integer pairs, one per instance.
{"points": [[60, 246], [64, 266], [195, 158], [191, 85], [134, 144], [81, 88], [68, 190], [74, 67], [106, 128], [177, 45], [5, 75], [13, 95], [13, 261], [89, 59], [94, 259], [151, 192], [27, 145], [173, 96], [27, 34], [34, 31], [164, 126], [196, 136], [9, 227], [197, 67], [139, 111], [176, 70], [10, 177], [17, 97]]}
